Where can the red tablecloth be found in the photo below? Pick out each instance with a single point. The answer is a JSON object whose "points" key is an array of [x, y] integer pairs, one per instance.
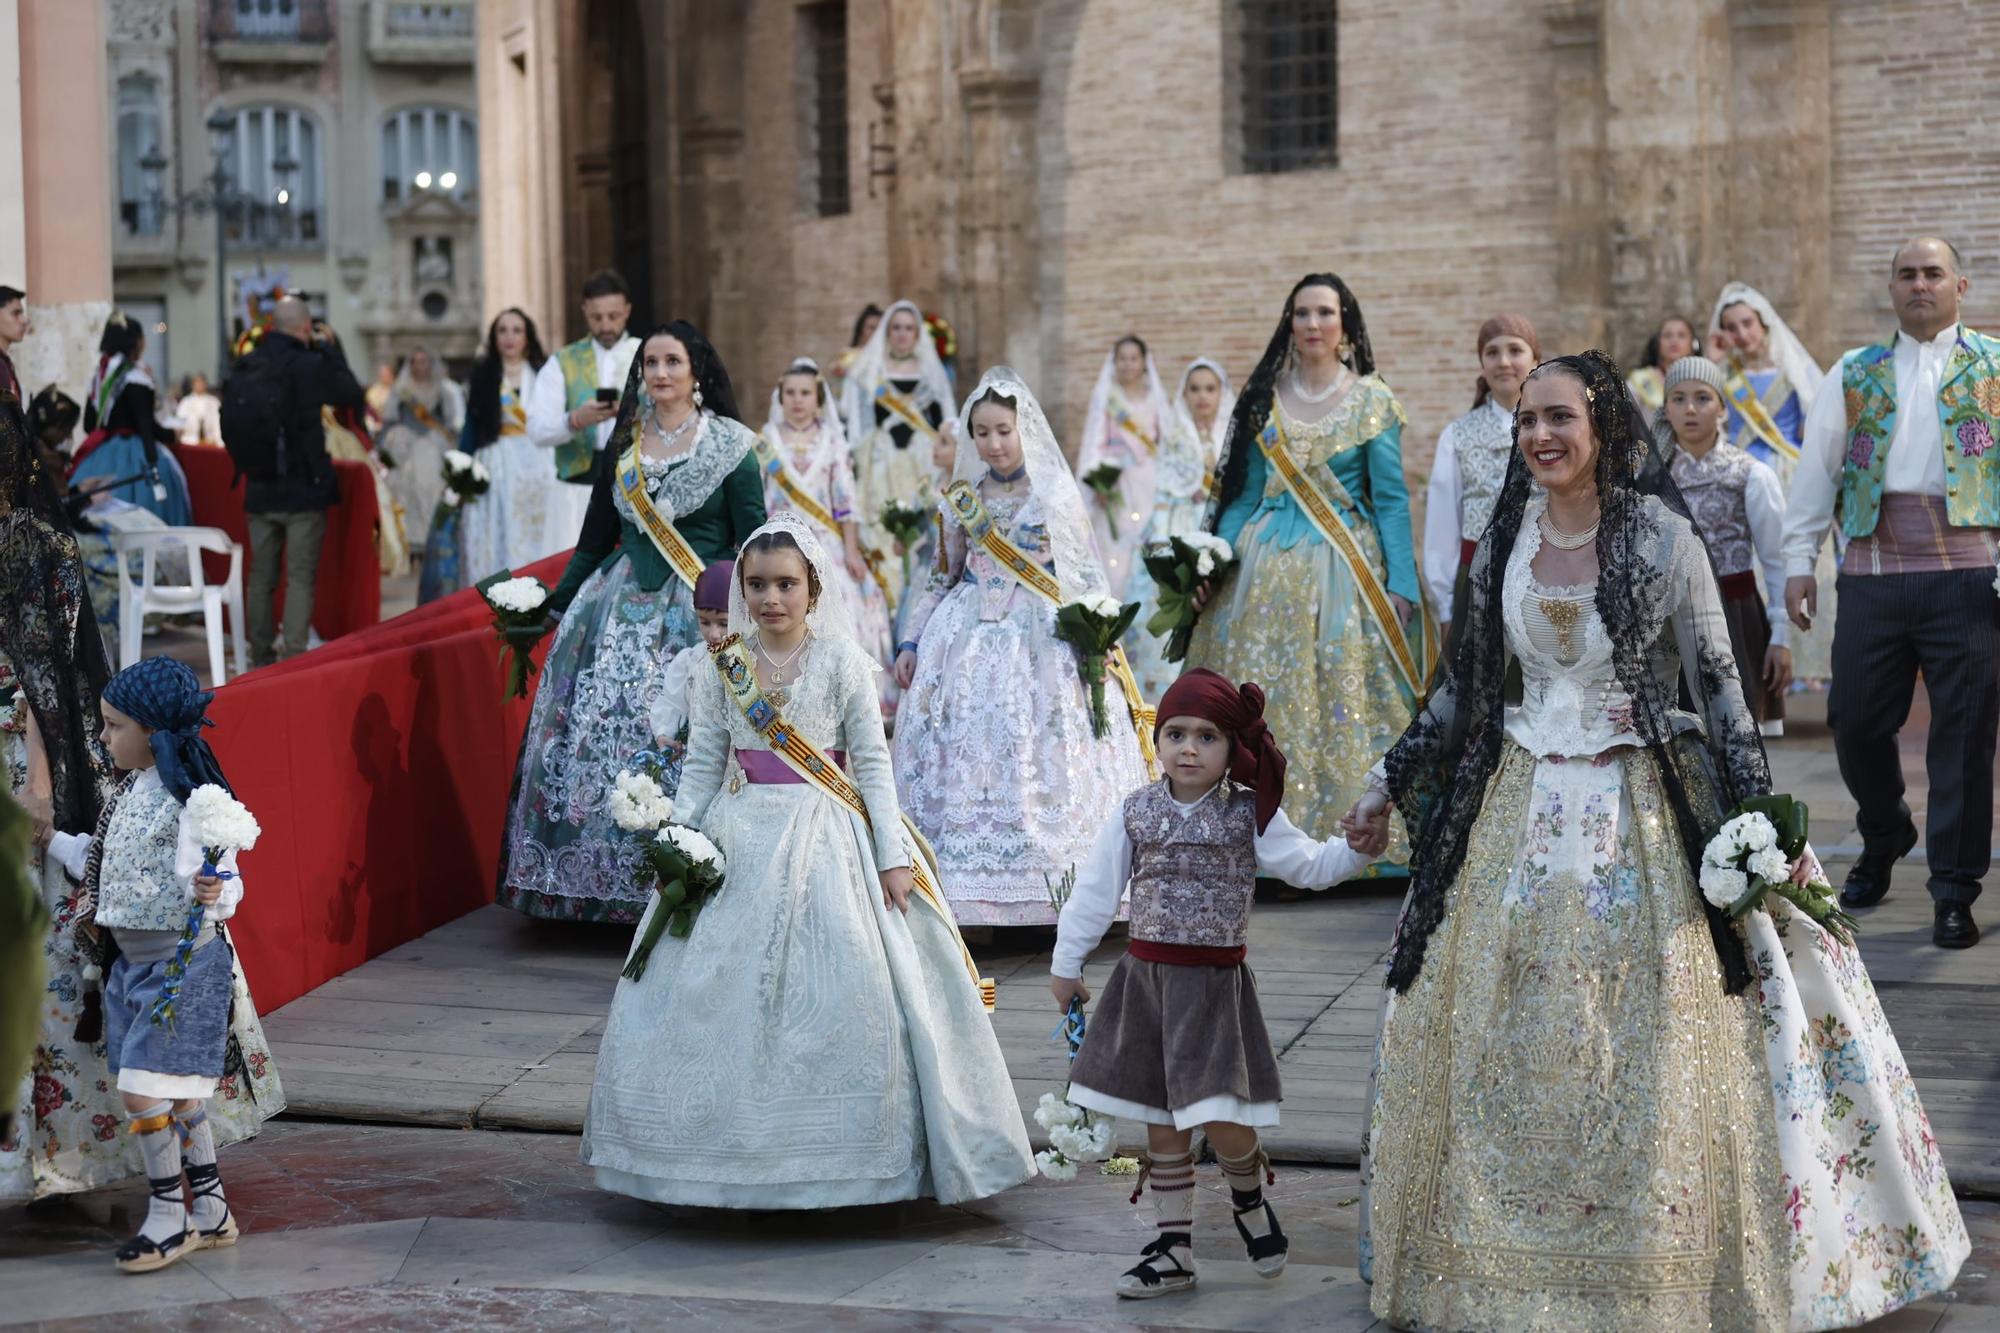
{"points": [[348, 593], [380, 767]]}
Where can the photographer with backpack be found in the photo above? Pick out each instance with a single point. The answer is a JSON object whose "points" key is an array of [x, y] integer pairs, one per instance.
{"points": [[272, 427]]}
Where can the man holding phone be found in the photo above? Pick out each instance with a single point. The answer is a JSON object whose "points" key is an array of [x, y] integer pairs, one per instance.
{"points": [[576, 394]]}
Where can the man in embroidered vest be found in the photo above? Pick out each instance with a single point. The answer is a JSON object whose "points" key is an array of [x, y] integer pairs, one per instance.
{"points": [[565, 412], [1900, 445]]}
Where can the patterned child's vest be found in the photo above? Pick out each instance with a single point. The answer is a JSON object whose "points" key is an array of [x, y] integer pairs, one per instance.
{"points": [[136, 887], [1192, 875], [1713, 487], [1968, 412], [1485, 440]]}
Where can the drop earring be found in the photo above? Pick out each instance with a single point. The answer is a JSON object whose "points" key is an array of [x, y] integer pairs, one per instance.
{"points": [[697, 398]]}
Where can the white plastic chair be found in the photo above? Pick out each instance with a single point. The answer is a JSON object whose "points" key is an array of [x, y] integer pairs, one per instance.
{"points": [[197, 594]]}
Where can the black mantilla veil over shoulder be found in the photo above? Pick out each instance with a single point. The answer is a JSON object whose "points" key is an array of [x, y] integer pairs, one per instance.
{"points": [[1650, 560]]}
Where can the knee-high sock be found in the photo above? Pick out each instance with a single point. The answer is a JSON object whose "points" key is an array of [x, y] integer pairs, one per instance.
{"points": [[166, 1215], [204, 1179], [1245, 1175], [1172, 1183]]}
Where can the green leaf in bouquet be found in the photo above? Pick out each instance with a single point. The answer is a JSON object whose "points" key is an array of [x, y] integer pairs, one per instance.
{"points": [[674, 894], [681, 923], [1124, 621], [1176, 610], [1788, 815]]}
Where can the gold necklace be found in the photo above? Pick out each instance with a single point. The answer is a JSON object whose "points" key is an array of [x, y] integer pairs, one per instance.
{"points": [[1562, 613]]}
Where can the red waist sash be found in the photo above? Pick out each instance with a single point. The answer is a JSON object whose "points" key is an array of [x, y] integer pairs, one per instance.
{"points": [[1465, 549], [1735, 587], [762, 766], [1185, 955]]}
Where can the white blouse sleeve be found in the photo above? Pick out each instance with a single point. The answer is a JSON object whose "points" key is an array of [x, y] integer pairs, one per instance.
{"points": [[868, 759], [548, 415], [670, 705], [1285, 853], [1809, 511], [707, 752], [1441, 535], [1093, 903], [72, 852], [1764, 504]]}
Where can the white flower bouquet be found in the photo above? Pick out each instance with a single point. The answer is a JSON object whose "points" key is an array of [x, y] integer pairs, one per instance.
{"points": [[518, 604], [1753, 855], [1092, 625], [220, 824], [1076, 1134], [465, 478], [1179, 568], [1103, 481], [680, 863]]}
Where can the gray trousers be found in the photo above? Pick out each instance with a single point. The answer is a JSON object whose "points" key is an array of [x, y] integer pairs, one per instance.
{"points": [[295, 539], [1946, 625]]}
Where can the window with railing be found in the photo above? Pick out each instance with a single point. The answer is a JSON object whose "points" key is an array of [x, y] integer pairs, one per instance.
{"points": [[1287, 84], [429, 148], [431, 23], [270, 20], [138, 138], [823, 123], [276, 167]]}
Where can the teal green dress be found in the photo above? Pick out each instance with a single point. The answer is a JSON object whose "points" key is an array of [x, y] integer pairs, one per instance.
{"points": [[624, 615]]}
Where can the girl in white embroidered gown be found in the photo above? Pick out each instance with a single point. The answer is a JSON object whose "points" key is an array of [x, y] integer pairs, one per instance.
{"points": [[1128, 415], [816, 1040], [1600, 1102], [803, 442], [994, 752], [1188, 455], [898, 397]]}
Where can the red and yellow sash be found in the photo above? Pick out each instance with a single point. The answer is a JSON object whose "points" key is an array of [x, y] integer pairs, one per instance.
{"points": [[972, 515], [666, 538], [1756, 417], [1310, 495], [739, 677], [905, 409], [773, 462], [1121, 417]]}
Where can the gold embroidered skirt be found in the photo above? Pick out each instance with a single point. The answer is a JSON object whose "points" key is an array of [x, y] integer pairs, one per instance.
{"points": [[1572, 1126]]}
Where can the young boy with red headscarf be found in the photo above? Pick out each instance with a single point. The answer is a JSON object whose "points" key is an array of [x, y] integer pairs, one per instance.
{"points": [[1179, 1038]]}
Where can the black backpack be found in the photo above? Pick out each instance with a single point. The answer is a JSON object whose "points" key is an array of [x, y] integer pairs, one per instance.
{"points": [[253, 416]]}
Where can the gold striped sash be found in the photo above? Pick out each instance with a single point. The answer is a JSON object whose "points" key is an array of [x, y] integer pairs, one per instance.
{"points": [[1756, 417], [1374, 596], [1122, 417], [808, 504], [972, 515], [739, 677], [905, 409], [665, 536]]}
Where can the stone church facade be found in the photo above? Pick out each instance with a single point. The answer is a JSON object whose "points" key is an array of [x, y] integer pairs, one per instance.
{"points": [[1049, 175]]}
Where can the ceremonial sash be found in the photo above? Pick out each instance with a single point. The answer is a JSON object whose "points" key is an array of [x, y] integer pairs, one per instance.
{"points": [[1307, 493], [905, 409], [666, 538], [1757, 418], [972, 515], [1122, 417], [808, 504], [424, 417], [739, 677]]}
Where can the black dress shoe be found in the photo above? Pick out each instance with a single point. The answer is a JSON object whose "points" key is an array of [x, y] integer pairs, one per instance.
{"points": [[1868, 881], [1955, 928]]}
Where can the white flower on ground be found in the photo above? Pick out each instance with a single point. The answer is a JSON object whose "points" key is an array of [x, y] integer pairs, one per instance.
{"points": [[1052, 1111], [220, 820], [1769, 864], [1054, 1167], [521, 595], [1723, 886]]}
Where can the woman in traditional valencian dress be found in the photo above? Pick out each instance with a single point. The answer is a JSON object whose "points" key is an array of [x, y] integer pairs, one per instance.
{"points": [[1325, 604], [1601, 1102], [1770, 381], [807, 470], [898, 399], [52, 666], [836, 374], [126, 447], [818, 1040], [1672, 340], [1189, 451], [422, 419], [510, 525], [677, 489], [1127, 421], [995, 753]]}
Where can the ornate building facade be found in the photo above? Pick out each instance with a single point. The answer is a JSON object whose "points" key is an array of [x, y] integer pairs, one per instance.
{"points": [[349, 135], [1050, 174]]}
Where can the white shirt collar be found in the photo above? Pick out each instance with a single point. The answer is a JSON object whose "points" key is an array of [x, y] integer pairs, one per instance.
{"points": [[1188, 808], [147, 778], [1944, 342]]}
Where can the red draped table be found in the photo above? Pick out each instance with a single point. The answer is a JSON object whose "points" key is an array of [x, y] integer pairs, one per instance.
{"points": [[347, 595], [380, 767]]}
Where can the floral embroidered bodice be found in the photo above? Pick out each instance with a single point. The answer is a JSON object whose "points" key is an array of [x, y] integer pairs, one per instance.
{"points": [[137, 885], [999, 591]]}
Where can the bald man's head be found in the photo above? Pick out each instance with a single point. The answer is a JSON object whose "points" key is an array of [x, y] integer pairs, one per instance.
{"points": [[291, 315], [1920, 247], [1927, 286]]}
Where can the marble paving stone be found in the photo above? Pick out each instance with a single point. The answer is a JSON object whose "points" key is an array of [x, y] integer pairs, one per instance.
{"points": [[1042, 1285], [87, 1283], [280, 1263], [696, 1264], [493, 1252]]}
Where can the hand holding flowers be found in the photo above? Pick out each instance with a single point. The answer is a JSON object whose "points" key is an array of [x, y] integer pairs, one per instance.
{"points": [[219, 825], [681, 864], [1761, 851], [1093, 625], [1103, 480], [1182, 568], [465, 478], [520, 617]]}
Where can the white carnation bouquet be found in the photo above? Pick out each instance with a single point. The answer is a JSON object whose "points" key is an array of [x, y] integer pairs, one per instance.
{"points": [[1092, 625], [1752, 856], [680, 863], [1180, 566], [219, 824], [1076, 1133], [465, 478], [518, 603]]}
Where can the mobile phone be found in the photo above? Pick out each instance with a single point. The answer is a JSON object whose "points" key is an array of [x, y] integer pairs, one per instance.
{"points": [[609, 397]]}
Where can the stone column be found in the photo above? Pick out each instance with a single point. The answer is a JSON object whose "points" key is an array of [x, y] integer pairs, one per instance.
{"points": [[61, 204], [1583, 256], [711, 205], [998, 306], [922, 227]]}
